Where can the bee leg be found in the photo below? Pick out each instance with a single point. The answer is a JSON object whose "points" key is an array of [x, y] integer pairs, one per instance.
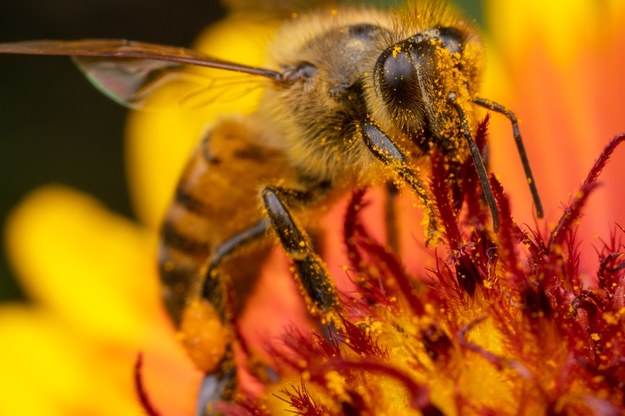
{"points": [[383, 148], [516, 133], [390, 217], [229, 246], [216, 387], [208, 325], [314, 280], [480, 168]]}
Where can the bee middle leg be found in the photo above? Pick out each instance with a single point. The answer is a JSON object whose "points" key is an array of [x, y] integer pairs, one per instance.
{"points": [[317, 286], [314, 280]]}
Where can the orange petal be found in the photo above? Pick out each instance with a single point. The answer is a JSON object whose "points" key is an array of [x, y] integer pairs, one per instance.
{"points": [[564, 82], [49, 370]]}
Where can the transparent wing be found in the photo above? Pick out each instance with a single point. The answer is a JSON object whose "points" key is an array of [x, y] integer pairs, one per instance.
{"points": [[132, 72], [136, 82]]}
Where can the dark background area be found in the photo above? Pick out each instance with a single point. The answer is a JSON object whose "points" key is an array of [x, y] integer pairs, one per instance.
{"points": [[55, 127]]}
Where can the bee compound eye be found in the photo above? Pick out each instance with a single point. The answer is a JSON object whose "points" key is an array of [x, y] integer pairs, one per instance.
{"points": [[451, 38], [397, 75]]}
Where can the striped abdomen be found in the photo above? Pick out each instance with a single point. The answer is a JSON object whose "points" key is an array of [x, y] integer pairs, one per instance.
{"points": [[216, 197]]}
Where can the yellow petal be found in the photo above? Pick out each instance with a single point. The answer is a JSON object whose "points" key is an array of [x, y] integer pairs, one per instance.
{"points": [[48, 370], [94, 268]]}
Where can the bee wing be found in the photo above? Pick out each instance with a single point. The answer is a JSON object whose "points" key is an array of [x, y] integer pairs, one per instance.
{"points": [[130, 72], [279, 8], [135, 83]]}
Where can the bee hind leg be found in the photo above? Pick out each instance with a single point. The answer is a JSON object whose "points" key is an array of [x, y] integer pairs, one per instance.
{"points": [[216, 387], [209, 322], [211, 289]]}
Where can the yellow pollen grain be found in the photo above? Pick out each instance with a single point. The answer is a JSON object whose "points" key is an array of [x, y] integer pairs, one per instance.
{"points": [[429, 309], [336, 383], [609, 318], [375, 326], [597, 379], [595, 336]]}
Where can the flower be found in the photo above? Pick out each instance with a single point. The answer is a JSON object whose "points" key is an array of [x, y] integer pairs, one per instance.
{"points": [[557, 65], [91, 276], [502, 325], [93, 280], [506, 323]]}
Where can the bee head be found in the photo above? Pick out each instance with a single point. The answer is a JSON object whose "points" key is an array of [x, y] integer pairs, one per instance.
{"points": [[415, 78]]}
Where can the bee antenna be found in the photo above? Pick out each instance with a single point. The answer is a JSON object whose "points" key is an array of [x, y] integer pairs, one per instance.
{"points": [[498, 108], [477, 161]]}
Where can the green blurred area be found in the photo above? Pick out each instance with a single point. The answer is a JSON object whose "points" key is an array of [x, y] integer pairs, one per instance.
{"points": [[56, 128]]}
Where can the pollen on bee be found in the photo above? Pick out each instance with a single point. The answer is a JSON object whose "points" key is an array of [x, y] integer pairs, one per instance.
{"points": [[204, 335]]}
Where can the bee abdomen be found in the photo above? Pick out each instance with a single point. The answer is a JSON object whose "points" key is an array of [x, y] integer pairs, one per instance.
{"points": [[185, 244], [184, 249], [177, 281], [181, 256], [191, 203], [216, 198]]}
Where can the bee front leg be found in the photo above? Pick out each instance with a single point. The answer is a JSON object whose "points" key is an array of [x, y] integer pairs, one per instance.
{"points": [[516, 133], [387, 152], [314, 280], [390, 217]]}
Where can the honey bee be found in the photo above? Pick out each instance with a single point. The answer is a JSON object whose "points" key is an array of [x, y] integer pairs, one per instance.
{"points": [[353, 96]]}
